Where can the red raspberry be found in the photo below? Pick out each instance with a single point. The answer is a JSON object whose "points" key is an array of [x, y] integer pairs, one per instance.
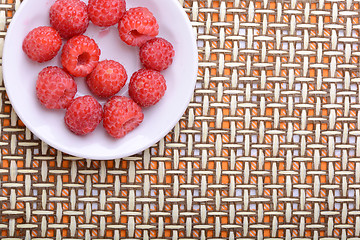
{"points": [[138, 26], [121, 115], [83, 115], [80, 55], [147, 87], [107, 79], [42, 44], [157, 54], [69, 17], [105, 13], [55, 88]]}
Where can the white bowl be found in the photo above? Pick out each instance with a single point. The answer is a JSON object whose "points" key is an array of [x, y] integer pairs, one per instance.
{"points": [[20, 74]]}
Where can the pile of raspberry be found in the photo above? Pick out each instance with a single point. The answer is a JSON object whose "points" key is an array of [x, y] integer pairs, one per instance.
{"points": [[56, 87]]}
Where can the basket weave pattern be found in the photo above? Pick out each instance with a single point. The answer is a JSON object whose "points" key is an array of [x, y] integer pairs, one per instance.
{"points": [[269, 147]]}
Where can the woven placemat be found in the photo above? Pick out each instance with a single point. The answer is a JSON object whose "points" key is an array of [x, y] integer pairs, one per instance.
{"points": [[268, 148]]}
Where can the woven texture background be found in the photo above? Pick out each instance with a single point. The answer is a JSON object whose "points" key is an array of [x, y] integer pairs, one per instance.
{"points": [[268, 148]]}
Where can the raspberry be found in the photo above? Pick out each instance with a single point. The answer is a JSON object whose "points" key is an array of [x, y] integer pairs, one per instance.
{"points": [[55, 88], [80, 55], [105, 13], [69, 17], [147, 87], [42, 44], [83, 115], [121, 115], [138, 26], [107, 79], [157, 54]]}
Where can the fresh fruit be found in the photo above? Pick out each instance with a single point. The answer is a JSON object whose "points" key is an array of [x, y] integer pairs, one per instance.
{"points": [[147, 87], [83, 115], [55, 89], [138, 26], [157, 54], [80, 55], [105, 13], [107, 79], [42, 44], [121, 115], [69, 17]]}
